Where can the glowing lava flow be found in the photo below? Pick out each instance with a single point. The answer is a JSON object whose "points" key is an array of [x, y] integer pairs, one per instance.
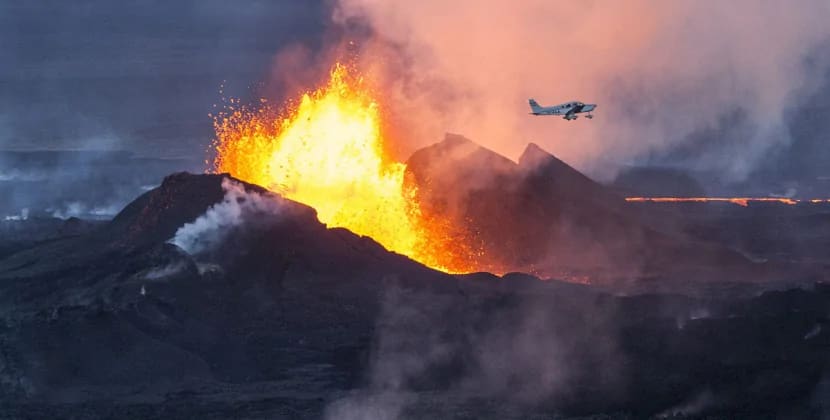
{"points": [[328, 152], [741, 201]]}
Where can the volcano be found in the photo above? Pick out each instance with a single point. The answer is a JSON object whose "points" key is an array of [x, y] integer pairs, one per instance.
{"points": [[211, 297], [456, 206]]}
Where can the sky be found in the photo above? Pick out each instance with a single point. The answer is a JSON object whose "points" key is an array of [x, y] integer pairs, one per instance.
{"points": [[709, 86], [136, 75], [738, 89]]}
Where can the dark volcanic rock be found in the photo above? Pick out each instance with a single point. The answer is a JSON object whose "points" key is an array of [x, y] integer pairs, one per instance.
{"points": [[156, 215], [285, 318], [119, 310]]}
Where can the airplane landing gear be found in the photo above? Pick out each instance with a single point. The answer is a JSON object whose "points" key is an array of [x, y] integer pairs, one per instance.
{"points": [[589, 116]]}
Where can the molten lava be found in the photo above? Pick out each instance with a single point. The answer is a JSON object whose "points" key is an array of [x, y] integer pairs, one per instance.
{"points": [[741, 201], [328, 152]]}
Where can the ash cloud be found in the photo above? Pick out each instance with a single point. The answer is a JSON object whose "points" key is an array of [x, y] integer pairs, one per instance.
{"points": [[238, 206], [717, 80]]}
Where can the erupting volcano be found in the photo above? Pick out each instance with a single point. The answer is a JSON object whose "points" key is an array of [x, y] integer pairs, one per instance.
{"points": [[329, 152]]}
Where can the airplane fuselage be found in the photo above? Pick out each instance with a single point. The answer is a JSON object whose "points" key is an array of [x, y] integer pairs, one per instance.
{"points": [[568, 110]]}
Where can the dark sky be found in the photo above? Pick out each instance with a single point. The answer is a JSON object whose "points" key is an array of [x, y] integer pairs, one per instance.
{"points": [[136, 75]]}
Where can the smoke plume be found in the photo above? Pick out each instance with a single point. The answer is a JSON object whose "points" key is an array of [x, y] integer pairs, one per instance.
{"points": [[685, 75], [238, 205]]}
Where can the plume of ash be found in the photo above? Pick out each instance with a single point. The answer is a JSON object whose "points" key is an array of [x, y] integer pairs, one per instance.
{"points": [[237, 206], [713, 80]]}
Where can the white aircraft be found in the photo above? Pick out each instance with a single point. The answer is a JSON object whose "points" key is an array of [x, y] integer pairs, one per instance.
{"points": [[568, 109]]}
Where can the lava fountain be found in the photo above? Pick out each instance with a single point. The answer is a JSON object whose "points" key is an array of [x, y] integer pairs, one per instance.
{"points": [[327, 150]]}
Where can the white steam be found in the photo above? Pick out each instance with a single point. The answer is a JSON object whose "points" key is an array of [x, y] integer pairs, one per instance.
{"points": [[716, 78], [209, 229], [23, 215], [79, 209]]}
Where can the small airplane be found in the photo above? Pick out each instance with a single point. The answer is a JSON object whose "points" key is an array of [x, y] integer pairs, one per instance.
{"points": [[568, 109]]}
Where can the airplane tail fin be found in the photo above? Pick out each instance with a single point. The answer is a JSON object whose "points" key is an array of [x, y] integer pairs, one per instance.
{"points": [[534, 105]]}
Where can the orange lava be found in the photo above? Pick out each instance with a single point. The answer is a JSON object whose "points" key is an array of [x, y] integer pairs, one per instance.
{"points": [[741, 201], [328, 151]]}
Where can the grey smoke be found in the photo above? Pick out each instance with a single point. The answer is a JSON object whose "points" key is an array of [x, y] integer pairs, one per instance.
{"points": [[237, 207], [408, 342], [529, 353]]}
